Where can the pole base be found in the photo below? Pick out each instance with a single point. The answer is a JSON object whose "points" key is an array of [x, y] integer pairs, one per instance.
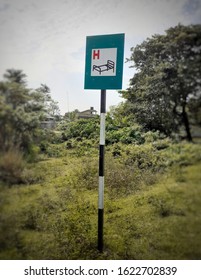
{"points": [[100, 230]]}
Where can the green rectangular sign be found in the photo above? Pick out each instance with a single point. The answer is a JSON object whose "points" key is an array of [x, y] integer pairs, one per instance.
{"points": [[104, 61]]}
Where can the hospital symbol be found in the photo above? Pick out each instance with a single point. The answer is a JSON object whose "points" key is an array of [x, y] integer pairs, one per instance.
{"points": [[96, 54], [102, 63]]}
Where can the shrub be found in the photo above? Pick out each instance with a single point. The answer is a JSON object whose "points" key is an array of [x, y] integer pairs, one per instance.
{"points": [[32, 175], [125, 135], [162, 144], [143, 157], [119, 179], [88, 128], [32, 154], [11, 166], [11, 243], [181, 154], [86, 174], [44, 146], [55, 150], [72, 233]]}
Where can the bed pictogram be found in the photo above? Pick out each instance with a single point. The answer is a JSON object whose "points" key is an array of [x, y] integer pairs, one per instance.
{"points": [[104, 67]]}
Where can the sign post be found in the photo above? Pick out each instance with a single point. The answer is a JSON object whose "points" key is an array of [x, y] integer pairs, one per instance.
{"points": [[101, 170], [103, 70]]}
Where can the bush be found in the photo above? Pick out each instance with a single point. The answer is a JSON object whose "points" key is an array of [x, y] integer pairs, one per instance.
{"points": [[144, 157], [32, 175], [32, 154], [86, 174], [118, 178], [181, 154], [11, 166], [125, 135], [72, 233], [84, 128], [11, 243], [55, 150]]}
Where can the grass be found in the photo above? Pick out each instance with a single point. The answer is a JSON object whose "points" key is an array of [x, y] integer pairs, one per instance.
{"points": [[162, 222], [152, 206]]}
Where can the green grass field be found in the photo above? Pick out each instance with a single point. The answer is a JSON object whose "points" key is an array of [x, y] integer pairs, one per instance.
{"points": [[152, 206]]}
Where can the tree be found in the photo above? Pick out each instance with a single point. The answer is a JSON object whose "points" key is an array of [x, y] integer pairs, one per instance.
{"points": [[15, 122], [51, 106], [167, 79], [17, 76], [71, 116], [21, 112], [119, 116]]}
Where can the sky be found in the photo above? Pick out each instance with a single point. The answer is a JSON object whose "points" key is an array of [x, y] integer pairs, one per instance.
{"points": [[47, 40]]}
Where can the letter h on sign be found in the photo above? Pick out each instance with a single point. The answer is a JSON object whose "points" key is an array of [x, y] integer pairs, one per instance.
{"points": [[96, 54]]}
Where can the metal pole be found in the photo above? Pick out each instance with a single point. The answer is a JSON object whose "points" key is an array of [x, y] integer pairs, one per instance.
{"points": [[101, 170]]}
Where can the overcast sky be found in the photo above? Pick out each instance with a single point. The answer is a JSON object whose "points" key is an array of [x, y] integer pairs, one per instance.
{"points": [[47, 39]]}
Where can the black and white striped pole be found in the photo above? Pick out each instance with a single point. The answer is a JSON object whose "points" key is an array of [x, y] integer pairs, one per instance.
{"points": [[101, 170]]}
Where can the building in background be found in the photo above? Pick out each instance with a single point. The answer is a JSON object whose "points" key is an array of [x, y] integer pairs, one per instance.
{"points": [[48, 122], [87, 114]]}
